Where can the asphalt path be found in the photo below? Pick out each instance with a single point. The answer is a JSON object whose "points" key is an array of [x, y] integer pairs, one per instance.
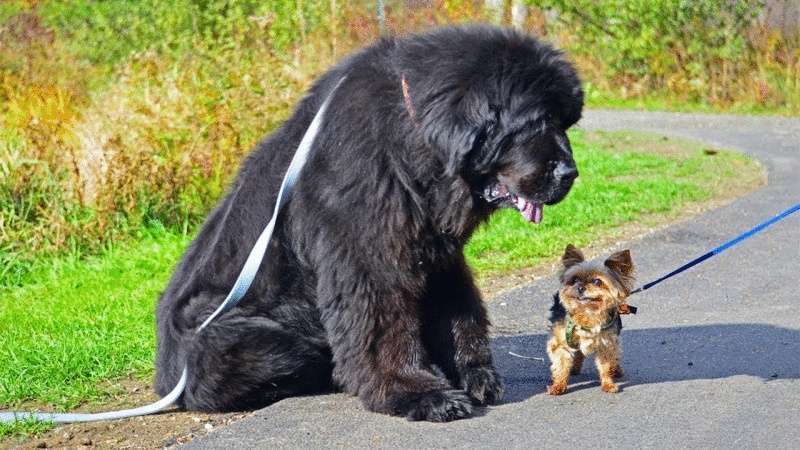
{"points": [[711, 360]]}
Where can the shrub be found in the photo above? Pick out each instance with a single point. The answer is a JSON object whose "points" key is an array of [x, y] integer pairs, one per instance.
{"points": [[118, 114], [704, 51]]}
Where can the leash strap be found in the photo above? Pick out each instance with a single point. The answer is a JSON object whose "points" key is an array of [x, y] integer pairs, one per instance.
{"points": [[738, 239], [243, 282], [250, 269]]}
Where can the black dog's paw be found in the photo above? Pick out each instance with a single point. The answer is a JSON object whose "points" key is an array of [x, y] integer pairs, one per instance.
{"points": [[434, 406], [483, 385]]}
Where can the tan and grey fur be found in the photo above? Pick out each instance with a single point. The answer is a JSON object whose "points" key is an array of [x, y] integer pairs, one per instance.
{"points": [[585, 317]]}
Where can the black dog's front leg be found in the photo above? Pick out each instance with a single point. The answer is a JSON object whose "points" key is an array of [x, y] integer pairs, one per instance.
{"points": [[456, 334], [378, 352]]}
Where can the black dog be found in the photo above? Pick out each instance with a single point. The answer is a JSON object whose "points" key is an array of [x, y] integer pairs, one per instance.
{"points": [[364, 286]]}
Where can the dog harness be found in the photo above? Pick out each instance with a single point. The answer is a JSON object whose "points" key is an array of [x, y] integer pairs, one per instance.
{"points": [[569, 330]]}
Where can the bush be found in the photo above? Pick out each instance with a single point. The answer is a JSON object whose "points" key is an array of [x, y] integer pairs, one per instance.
{"points": [[109, 31], [118, 114], [125, 113], [705, 51]]}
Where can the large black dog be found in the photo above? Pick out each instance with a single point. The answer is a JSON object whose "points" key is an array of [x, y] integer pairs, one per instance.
{"points": [[364, 286]]}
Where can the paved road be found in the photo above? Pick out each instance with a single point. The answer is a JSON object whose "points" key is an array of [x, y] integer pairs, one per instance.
{"points": [[712, 360]]}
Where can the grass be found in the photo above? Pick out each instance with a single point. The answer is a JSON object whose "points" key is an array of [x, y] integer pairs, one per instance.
{"points": [[23, 428], [79, 322], [666, 102], [76, 324]]}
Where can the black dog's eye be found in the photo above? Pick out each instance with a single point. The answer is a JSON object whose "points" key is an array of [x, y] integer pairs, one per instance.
{"points": [[597, 282], [553, 121]]}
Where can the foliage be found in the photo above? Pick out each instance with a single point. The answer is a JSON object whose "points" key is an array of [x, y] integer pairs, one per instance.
{"points": [[118, 113], [126, 112], [111, 30], [701, 51]]}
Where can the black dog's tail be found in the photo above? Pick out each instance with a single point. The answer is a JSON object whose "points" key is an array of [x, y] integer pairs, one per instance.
{"points": [[557, 311]]}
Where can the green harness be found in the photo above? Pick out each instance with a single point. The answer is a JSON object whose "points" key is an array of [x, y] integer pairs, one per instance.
{"points": [[569, 331]]}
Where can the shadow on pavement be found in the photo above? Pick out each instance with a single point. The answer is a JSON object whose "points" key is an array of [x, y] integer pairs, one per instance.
{"points": [[658, 355]]}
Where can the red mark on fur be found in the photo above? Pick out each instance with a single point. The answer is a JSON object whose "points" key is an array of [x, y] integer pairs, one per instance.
{"points": [[407, 99]]}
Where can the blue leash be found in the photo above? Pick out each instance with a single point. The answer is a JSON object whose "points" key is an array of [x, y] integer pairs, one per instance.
{"points": [[738, 239]]}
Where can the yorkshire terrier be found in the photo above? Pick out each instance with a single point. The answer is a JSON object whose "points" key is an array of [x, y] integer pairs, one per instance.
{"points": [[585, 317]]}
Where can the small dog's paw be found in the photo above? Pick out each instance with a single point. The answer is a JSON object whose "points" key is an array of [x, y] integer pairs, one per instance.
{"points": [[556, 389], [611, 388], [434, 406], [483, 385]]}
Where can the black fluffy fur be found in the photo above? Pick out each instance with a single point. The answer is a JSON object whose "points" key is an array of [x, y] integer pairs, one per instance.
{"points": [[364, 287]]}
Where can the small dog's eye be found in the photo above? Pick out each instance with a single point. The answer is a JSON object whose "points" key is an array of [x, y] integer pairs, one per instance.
{"points": [[573, 281], [597, 282]]}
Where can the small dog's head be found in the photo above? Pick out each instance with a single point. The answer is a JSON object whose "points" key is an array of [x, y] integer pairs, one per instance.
{"points": [[595, 289]]}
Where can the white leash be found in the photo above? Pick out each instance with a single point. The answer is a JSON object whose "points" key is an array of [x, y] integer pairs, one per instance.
{"points": [[238, 291]]}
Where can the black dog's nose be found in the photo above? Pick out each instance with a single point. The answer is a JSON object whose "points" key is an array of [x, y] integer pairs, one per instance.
{"points": [[565, 172]]}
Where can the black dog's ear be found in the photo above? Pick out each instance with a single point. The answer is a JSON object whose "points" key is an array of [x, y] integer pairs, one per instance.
{"points": [[478, 156], [572, 256], [461, 130], [621, 263], [462, 147]]}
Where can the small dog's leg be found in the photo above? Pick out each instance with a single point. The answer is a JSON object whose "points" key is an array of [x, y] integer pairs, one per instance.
{"points": [[577, 363], [607, 361], [561, 364]]}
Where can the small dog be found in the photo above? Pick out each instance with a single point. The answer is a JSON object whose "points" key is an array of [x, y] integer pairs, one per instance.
{"points": [[585, 317]]}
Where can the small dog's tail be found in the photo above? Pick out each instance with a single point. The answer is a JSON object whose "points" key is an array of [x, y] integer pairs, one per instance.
{"points": [[557, 311]]}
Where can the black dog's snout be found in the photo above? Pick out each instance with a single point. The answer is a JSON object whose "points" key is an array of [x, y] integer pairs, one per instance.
{"points": [[565, 172]]}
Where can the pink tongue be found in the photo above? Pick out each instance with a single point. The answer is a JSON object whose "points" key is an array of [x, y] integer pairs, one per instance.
{"points": [[532, 212], [538, 212]]}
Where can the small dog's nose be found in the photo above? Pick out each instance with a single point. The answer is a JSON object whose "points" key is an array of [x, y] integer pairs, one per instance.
{"points": [[565, 172], [580, 288]]}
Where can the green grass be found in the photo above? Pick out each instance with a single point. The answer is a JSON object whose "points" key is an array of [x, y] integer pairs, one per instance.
{"points": [[76, 324], [81, 322], [665, 101], [23, 428]]}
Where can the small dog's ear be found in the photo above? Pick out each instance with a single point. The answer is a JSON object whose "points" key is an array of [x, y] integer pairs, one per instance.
{"points": [[621, 263], [572, 256]]}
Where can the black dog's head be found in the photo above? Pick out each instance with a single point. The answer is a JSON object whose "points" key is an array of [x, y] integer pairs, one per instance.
{"points": [[530, 173], [497, 103]]}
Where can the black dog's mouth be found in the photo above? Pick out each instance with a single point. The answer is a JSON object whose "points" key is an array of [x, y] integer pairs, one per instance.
{"points": [[498, 194]]}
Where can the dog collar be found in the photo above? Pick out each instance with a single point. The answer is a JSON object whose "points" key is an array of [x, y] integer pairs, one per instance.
{"points": [[569, 331]]}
